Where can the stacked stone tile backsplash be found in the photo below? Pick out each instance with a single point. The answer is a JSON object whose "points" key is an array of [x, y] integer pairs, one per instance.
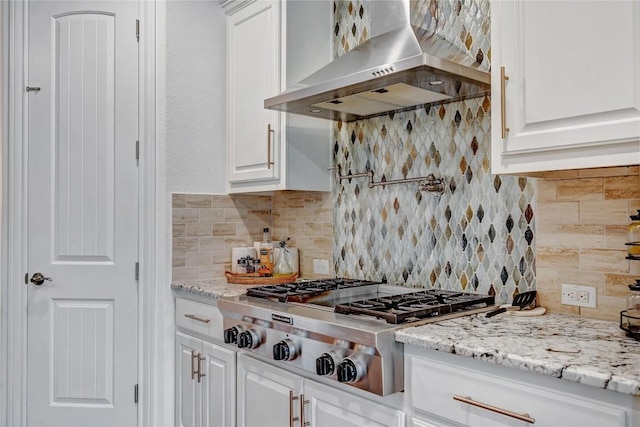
{"points": [[479, 236], [307, 218], [206, 227], [581, 230]]}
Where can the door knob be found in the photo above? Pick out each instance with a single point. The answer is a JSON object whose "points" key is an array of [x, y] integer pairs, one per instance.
{"points": [[38, 279]]}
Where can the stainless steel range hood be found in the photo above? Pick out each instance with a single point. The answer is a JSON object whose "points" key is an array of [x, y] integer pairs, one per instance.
{"points": [[404, 65]]}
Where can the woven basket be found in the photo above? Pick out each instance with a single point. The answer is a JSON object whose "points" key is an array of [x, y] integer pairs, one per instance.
{"points": [[256, 279]]}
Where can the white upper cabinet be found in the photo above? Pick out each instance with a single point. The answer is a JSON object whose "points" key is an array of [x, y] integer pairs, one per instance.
{"points": [[565, 84], [271, 45]]}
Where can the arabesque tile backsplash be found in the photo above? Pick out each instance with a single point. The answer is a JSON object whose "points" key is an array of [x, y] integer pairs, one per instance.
{"points": [[479, 236]]}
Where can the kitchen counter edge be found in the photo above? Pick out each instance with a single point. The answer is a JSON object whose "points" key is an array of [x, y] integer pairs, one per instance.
{"points": [[592, 352], [211, 288]]}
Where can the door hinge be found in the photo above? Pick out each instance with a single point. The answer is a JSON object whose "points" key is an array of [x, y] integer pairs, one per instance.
{"points": [[138, 151], [135, 394], [137, 271], [137, 30]]}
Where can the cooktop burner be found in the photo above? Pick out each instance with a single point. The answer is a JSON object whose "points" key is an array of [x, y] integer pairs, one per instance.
{"points": [[414, 306], [394, 304], [313, 290]]}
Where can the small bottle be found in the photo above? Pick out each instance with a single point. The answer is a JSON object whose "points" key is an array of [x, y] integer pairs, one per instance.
{"points": [[633, 307], [266, 253], [634, 236], [283, 266], [242, 266]]}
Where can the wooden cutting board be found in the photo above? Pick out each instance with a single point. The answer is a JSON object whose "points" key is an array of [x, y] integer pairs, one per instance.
{"points": [[538, 311]]}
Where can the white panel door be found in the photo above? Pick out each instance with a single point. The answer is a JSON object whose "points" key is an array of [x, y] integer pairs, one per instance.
{"points": [[83, 213]]}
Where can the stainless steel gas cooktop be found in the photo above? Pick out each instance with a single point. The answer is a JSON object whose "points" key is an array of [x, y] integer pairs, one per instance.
{"points": [[341, 329]]}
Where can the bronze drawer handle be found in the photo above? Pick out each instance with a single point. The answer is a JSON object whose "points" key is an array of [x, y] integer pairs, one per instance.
{"points": [[503, 102], [292, 419], [469, 401], [269, 132], [198, 318]]}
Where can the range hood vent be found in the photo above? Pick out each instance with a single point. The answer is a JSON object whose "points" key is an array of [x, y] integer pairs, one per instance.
{"points": [[406, 64]]}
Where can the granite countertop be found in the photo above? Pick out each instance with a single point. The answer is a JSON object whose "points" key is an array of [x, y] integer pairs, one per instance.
{"points": [[212, 288], [587, 351]]}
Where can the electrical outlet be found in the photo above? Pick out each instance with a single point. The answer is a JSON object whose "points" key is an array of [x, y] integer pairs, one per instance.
{"points": [[321, 266], [582, 296]]}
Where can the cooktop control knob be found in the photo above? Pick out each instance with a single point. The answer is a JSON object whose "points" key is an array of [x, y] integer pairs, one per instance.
{"points": [[350, 370], [248, 339], [326, 363], [284, 350], [231, 334]]}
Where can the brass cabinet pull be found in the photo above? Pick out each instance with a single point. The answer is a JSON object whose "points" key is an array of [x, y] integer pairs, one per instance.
{"points": [[469, 401], [302, 403], [503, 102], [291, 399], [200, 374], [193, 369], [269, 132], [198, 318]]}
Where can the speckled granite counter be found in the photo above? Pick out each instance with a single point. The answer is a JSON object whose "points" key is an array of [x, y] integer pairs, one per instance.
{"points": [[587, 351], [212, 288]]}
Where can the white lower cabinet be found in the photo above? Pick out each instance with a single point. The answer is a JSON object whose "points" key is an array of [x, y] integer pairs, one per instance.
{"points": [[449, 390], [269, 396], [329, 407], [205, 383]]}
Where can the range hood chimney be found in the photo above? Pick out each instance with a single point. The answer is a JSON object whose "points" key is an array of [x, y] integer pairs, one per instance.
{"points": [[405, 64]]}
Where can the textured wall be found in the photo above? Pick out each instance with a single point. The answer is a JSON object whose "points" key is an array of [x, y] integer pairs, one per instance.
{"points": [[582, 229], [478, 236], [190, 144], [195, 90]]}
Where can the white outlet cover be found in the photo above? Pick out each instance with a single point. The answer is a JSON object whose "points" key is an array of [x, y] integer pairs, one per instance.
{"points": [[571, 295], [321, 266]]}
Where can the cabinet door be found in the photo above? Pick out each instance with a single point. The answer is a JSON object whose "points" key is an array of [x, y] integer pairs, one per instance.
{"points": [[572, 94], [267, 396], [253, 52], [218, 385], [188, 391], [329, 407]]}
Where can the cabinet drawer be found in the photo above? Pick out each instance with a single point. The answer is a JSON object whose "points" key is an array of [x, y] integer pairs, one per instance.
{"points": [[198, 318], [458, 394]]}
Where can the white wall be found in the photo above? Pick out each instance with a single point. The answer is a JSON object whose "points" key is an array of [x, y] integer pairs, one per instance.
{"points": [[196, 97], [190, 141]]}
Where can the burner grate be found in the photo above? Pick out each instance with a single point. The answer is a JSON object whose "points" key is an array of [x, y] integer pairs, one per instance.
{"points": [[301, 292], [417, 305]]}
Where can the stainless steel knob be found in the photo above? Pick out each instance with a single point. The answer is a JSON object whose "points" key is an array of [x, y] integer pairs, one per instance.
{"points": [[285, 350], [38, 279], [249, 339], [351, 370]]}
